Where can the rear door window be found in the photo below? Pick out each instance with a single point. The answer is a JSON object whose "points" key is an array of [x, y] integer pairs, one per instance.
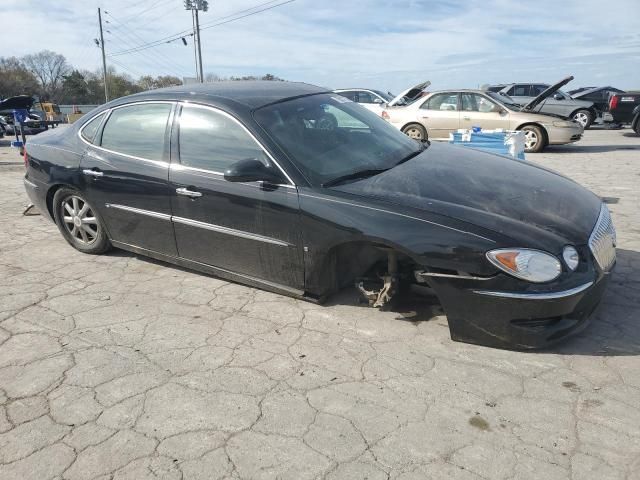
{"points": [[138, 130], [520, 91], [350, 95], [442, 101]]}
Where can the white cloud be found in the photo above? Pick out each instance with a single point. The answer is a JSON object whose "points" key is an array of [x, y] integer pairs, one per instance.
{"points": [[378, 43]]}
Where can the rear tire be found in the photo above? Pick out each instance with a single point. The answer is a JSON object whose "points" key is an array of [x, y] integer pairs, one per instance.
{"points": [[79, 223], [534, 139], [584, 118], [415, 131]]}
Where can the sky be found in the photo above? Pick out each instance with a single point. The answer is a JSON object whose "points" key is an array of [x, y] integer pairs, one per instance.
{"points": [[383, 44]]}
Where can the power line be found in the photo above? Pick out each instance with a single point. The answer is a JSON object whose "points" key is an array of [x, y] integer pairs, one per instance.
{"points": [[184, 33], [157, 58]]}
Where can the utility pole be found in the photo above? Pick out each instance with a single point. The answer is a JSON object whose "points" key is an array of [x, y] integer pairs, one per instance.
{"points": [[199, 46], [195, 6], [195, 44], [104, 59]]}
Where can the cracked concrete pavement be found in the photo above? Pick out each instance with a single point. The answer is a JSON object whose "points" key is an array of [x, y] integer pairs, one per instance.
{"points": [[120, 367]]}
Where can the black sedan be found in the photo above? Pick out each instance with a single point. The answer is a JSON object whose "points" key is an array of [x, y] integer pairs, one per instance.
{"points": [[294, 189]]}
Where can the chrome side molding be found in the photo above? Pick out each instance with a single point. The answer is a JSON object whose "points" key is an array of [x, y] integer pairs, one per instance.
{"points": [[139, 211], [537, 296], [229, 231], [206, 226]]}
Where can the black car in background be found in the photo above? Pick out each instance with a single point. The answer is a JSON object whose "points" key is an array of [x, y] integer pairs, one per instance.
{"points": [[623, 107], [598, 95], [298, 190]]}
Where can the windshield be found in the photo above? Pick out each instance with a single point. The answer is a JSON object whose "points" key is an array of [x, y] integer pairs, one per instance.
{"points": [[505, 100], [328, 136]]}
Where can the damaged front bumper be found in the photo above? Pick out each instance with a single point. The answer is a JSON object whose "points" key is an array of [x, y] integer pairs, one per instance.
{"points": [[505, 312]]}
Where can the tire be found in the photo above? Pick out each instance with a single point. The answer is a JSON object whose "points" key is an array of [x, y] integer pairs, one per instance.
{"points": [[534, 139], [415, 131], [79, 223], [583, 117], [636, 125]]}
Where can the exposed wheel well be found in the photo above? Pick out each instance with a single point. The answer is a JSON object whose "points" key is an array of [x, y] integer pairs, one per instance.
{"points": [[51, 193], [544, 130], [345, 263]]}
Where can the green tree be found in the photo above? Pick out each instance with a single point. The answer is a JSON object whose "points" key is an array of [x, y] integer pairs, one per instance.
{"points": [[75, 89]]}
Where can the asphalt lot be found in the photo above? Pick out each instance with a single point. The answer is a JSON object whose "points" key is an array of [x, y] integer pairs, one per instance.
{"points": [[120, 367]]}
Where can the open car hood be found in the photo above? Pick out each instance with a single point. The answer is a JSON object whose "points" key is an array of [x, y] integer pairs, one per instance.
{"points": [[546, 94], [410, 93], [24, 102]]}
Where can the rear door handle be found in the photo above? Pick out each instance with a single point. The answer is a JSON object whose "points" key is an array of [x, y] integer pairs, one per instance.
{"points": [[188, 193], [93, 173], [466, 118]]}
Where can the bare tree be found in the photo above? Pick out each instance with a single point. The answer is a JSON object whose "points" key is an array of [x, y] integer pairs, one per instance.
{"points": [[15, 79], [50, 69]]}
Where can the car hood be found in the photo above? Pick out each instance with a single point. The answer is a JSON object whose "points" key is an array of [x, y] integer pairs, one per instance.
{"points": [[410, 93], [547, 93], [20, 102], [522, 202]]}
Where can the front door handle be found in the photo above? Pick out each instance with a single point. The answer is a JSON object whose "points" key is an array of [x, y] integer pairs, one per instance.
{"points": [[466, 118], [93, 173], [188, 193]]}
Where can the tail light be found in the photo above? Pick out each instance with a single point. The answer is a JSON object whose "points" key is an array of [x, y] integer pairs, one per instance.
{"points": [[385, 115], [613, 102]]}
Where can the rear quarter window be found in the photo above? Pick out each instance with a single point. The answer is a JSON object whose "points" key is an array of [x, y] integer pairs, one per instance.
{"points": [[88, 132]]}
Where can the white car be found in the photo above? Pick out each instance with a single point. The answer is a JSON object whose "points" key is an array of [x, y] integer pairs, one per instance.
{"points": [[377, 101]]}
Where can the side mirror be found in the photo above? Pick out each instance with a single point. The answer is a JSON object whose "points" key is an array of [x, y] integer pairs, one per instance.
{"points": [[252, 170], [558, 96], [378, 101]]}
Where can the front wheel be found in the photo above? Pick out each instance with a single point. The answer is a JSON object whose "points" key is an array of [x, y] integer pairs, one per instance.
{"points": [[584, 118], [534, 139], [79, 223], [415, 131]]}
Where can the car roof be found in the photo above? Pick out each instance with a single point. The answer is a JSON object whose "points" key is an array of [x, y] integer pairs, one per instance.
{"points": [[461, 90], [249, 94]]}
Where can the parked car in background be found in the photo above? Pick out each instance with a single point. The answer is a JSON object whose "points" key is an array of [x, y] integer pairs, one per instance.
{"points": [[261, 183], [559, 103], [441, 113], [33, 124], [622, 107], [377, 101], [598, 95]]}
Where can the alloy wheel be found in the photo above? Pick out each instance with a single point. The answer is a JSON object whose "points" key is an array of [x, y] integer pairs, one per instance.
{"points": [[530, 139], [79, 220], [582, 118]]}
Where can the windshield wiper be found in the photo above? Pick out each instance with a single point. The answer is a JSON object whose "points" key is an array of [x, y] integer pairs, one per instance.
{"points": [[354, 176], [423, 147]]}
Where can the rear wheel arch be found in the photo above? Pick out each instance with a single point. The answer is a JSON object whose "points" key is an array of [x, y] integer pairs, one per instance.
{"points": [[52, 193]]}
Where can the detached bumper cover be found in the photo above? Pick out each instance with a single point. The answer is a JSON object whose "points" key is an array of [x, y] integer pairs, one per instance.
{"points": [[500, 313]]}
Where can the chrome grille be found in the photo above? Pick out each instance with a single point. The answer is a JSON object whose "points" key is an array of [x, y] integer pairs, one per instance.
{"points": [[602, 241]]}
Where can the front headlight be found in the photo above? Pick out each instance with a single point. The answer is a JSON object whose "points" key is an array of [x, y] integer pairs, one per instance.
{"points": [[526, 264], [564, 123]]}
